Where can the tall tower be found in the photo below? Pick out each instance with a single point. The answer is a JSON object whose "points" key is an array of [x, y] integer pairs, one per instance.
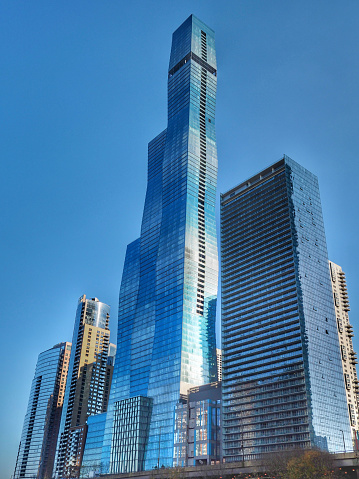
{"points": [[349, 357], [85, 389], [167, 306], [42, 420], [282, 383]]}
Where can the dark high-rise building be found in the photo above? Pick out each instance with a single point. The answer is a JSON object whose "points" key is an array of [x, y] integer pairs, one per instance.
{"points": [[86, 390], [282, 377], [167, 308], [42, 420]]}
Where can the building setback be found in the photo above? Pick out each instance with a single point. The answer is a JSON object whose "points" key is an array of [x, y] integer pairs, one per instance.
{"points": [[349, 358], [167, 308], [282, 377], [86, 392], [42, 420]]}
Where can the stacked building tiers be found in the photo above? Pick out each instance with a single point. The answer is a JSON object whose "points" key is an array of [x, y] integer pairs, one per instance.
{"points": [[167, 307]]}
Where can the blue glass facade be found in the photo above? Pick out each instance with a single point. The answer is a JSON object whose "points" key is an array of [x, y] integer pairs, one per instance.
{"points": [[42, 419], [167, 306], [91, 462], [282, 379]]}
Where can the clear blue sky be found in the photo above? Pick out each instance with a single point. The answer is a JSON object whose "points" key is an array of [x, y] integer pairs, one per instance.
{"points": [[83, 90]]}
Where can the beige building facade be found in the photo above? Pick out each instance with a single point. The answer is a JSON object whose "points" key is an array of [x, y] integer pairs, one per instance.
{"points": [[348, 356]]}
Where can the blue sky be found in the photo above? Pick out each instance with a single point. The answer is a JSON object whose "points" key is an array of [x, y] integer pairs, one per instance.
{"points": [[83, 90]]}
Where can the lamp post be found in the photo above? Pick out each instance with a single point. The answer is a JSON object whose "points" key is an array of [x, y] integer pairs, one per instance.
{"points": [[242, 437], [159, 449], [343, 440]]}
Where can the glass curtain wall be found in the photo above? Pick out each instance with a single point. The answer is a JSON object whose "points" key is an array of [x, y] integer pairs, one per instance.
{"points": [[167, 307], [282, 378], [42, 419]]}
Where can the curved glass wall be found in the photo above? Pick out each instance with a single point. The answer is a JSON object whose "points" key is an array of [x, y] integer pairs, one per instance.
{"points": [[167, 307]]}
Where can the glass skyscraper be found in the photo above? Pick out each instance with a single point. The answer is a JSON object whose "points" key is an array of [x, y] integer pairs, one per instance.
{"points": [[42, 420], [282, 378], [167, 308], [85, 392]]}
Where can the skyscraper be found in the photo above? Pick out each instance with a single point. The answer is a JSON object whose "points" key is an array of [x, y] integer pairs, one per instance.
{"points": [[349, 357], [42, 420], [85, 390], [282, 383], [91, 461], [167, 307]]}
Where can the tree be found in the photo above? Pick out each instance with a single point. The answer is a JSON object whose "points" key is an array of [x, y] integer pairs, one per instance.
{"points": [[312, 464], [276, 463]]}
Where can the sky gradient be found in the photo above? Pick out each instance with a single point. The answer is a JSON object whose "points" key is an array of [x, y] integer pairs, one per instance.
{"points": [[83, 91]]}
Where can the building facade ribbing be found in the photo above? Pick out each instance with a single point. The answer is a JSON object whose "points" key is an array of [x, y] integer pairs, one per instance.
{"points": [[167, 307], [42, 420], [349, 357], [85, 393], [219, 364], [282, 376]]}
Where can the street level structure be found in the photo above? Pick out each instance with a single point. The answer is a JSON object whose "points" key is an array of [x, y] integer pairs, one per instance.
{"points": [[197, 427]]}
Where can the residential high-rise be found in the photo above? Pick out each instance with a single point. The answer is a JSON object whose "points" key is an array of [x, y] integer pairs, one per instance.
{"points": [[282, 383], [167, 308], [91, 461], [42, 420], [349, 358], [86, 387]]}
